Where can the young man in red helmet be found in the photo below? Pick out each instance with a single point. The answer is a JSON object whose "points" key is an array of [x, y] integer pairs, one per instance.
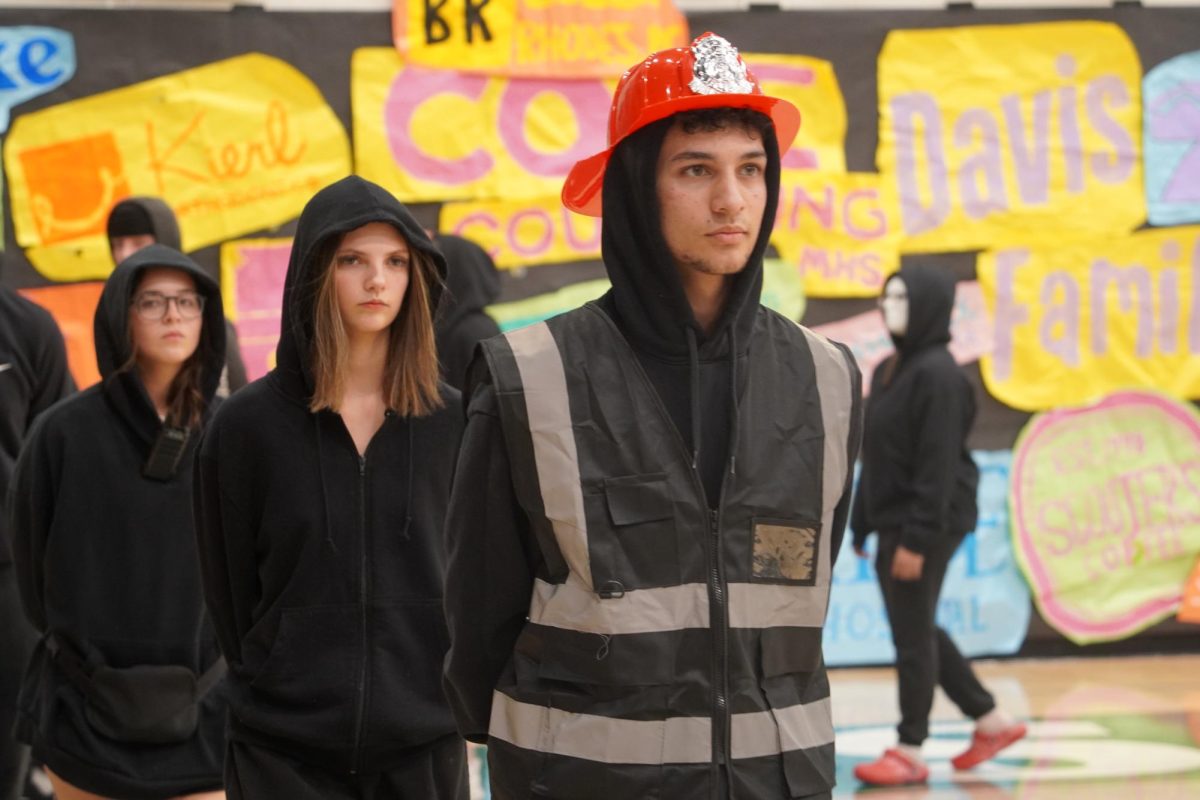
{"points": [[651, 488]]}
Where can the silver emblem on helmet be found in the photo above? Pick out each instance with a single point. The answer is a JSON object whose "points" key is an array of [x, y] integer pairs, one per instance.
{"points": [[718, 68]]}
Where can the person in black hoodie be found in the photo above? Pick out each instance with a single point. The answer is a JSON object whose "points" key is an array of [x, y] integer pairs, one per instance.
{"points": [[651, 488], [137, 222], [472, 283], [33, 376], [917, 489], [320, 495], [116, 700]]}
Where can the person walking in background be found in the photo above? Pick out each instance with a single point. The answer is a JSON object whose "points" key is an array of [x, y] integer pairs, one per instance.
{"points": [[472, 284], [33, 376], [320, 497], [137, 222], [121, 696], [652, 487], [917, 490]]}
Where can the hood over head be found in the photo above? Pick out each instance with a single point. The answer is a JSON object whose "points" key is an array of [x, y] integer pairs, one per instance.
{"points": [[332, 212], [472, 280], [647, 291], [114, 348], [930, 303], [139, 216]]}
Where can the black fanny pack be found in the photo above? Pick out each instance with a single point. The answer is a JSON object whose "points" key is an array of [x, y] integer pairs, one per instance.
{"points": [[142, 704]]}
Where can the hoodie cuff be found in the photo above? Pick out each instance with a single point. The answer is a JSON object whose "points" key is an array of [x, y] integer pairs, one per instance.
{"points": [[915, 539]]}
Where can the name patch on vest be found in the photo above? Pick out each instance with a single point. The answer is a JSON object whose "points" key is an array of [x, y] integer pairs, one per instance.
{"points": [[785, 552]]}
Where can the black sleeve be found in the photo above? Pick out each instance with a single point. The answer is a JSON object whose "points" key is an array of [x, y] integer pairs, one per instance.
{"points": [[228, 565], [235, 367], [937, 408], [30, 507], [491, 567], [858, 521], [52, 376], [860, 526], [853, 440]]}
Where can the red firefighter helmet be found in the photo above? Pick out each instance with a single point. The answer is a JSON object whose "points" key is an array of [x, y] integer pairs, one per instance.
{"points": [[709, 74]]}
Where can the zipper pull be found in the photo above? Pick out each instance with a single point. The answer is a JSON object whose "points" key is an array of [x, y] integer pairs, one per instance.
{"points": [[362, 466]]}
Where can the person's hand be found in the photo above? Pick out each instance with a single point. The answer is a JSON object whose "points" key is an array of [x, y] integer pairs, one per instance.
{"points": [[906, 565], [860, 551]]}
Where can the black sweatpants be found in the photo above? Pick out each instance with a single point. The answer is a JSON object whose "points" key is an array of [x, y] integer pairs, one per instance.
{"points": [[17, 638], [926, 657], [437, 772]]}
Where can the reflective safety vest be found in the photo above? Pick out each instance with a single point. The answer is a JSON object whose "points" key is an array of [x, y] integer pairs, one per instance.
{"points": [[672, 648]]}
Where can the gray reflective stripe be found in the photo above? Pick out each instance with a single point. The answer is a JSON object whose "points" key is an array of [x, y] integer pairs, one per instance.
{"points": [[674, 740], [546, 404], [576, 607], [769, 605], [769, 733], [833, 386]]}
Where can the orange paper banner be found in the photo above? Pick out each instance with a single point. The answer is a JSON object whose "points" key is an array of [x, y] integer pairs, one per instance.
{"points": [[73, 307]]}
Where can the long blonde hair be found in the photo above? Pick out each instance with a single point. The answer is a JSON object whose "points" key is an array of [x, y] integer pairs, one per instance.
{"points": [[410, 382]]}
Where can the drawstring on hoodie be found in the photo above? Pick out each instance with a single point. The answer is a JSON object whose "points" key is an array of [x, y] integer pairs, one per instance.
{"points": [[694, 374], [409, 491], [733, 394], [316, 418], [325, 492]]}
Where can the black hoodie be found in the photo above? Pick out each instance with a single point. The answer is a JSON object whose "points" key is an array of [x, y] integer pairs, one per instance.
{"points": [[106, 558], [918, 479], [471, 283], [323, 569]]}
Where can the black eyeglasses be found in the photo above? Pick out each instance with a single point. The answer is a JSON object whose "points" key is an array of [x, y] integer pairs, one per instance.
{"points": [[153, 306]]}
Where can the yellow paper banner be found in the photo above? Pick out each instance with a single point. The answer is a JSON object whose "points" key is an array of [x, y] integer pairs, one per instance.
{"points": [[811, 85], [551, 38], [436, 135], [433, 135], [841, 231], [234, 146], [520, 234], [1014, 134], [1076, 322]]}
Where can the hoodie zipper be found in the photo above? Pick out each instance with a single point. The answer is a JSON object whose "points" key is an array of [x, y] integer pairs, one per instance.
{"points": [[360, 717]]}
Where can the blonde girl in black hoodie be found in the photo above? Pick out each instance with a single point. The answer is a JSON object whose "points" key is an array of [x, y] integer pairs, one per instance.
{"points": [[122, 698], [321, 491]]}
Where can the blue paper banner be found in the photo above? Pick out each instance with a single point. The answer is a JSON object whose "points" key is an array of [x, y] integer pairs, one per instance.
{"points": [[33, 61], [1171, 93]]}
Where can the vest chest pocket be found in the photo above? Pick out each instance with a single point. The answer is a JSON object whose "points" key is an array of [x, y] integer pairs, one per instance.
{"points": [[785, 551], [632, 534]]}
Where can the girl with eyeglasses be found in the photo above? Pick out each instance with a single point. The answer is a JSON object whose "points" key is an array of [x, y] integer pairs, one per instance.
{"points": [[321, 492], [123, 695]]}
